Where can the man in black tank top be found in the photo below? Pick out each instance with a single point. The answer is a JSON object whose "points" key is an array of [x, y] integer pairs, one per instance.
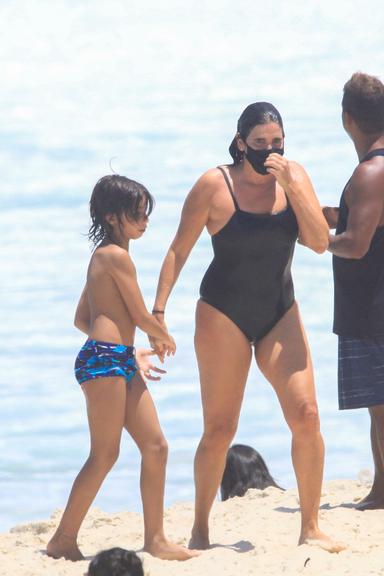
{"points": [[358, 266]]}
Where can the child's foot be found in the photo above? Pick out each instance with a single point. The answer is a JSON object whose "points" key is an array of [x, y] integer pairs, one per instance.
{"points": [[63, 546], [167, 550], [321, 540]]}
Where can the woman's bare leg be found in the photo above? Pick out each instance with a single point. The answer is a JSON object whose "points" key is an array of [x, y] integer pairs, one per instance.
{"points": [[284, 358], [142, 423], [106, 410], [224, 356]]}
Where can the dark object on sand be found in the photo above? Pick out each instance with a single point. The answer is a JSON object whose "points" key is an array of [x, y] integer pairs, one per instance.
{"points": [[116, 562], [244, 469]]}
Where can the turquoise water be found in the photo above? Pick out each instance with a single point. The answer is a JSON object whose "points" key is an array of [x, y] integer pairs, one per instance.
{"points": [[157, 89]]}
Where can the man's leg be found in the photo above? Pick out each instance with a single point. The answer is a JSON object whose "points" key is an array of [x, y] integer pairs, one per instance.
{"points": [[375, 499]]}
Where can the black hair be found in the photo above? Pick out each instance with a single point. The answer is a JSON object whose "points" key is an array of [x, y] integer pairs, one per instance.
{"points": [[253, 115], [116, 195], [244, 469], [116, 562], [363, 99]]}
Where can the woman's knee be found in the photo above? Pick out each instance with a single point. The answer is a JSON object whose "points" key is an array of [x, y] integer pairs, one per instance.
{"points": [[104, 458], [305, 419], [219, 435]]}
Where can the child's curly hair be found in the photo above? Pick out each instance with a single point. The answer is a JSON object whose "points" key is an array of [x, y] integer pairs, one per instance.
{"points": [[116, 562], [116, 195]]}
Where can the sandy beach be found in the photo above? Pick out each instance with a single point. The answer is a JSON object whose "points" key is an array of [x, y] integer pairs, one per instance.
{"points": [[256, 534]]}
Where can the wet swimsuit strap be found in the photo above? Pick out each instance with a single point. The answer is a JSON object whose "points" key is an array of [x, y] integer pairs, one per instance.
{"points": [[224, 173]]}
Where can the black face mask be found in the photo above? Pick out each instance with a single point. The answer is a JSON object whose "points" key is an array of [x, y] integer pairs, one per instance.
{"points": [[257, 158]]}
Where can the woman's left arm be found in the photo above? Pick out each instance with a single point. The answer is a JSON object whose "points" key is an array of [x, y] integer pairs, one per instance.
{"points": [[313, 227]]}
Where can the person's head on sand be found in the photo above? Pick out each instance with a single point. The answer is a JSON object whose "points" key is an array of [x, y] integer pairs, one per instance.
{"points": [[116, 562], [244, 469], [363, 105], [258, 123], [119, 209]]}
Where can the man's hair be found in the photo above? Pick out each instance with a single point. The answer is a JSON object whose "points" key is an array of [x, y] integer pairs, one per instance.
{"points": [[116, 562], [363, 99]]}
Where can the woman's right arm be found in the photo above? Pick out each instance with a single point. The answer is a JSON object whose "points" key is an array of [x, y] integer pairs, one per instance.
{"points": [[194, 218]]}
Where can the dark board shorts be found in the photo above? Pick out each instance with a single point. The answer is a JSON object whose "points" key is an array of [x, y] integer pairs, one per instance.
{"points": [[361, 372]]}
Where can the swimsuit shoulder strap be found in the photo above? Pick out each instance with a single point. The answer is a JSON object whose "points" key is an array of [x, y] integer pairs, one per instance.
{"points": [[224, 173], [372, 154]]}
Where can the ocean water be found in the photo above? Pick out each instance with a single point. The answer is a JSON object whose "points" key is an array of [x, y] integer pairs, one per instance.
{"points": [[155, 92]]}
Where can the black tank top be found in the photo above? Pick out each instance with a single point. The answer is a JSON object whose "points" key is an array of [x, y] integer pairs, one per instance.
{"points": [[359, 284], [249, 279]]}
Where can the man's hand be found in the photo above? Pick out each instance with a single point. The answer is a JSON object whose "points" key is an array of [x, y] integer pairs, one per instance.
{"points": [[331, 215]]}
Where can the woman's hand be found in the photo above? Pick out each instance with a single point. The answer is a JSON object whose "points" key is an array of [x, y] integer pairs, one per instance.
{"points": [[145, 365], [162, 347], [156, 344], [313, 227], [282, 169]]}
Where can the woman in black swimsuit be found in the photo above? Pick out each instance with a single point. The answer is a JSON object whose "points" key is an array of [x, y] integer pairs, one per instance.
{"points": [[254, 209]]}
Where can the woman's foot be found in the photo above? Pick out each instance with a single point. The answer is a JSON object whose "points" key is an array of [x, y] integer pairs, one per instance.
{"points": [[166, 550], [63, 546], [321, 540]]}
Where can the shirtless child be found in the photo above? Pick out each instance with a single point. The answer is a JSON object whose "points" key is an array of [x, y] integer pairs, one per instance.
{"points": [[111, 377]]}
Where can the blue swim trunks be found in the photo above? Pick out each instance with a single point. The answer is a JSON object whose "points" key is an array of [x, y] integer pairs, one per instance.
{"points": [[104, 359]]}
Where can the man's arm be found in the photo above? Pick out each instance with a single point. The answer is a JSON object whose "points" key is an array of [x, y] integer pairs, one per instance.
{"points": [[331, 214], [365, 200]]}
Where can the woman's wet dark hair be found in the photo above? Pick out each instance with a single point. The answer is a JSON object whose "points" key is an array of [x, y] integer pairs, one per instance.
{"points": [[116, 195], [116, 562], [253, 115], [244, 469]]}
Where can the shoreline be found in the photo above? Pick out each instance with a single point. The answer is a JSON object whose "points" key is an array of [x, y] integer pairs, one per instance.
{"points": [[256, 534]]}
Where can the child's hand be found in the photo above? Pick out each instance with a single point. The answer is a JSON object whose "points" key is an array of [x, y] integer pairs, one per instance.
{"points": [[145, 365]]}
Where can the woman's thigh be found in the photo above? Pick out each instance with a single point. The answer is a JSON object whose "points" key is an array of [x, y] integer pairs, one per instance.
{"points": [[284, 358], [105, 398], [224, 356]]}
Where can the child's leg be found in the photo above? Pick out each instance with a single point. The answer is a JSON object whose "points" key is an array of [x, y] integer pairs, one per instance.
{"points": [[105, 399], [143, 425]]}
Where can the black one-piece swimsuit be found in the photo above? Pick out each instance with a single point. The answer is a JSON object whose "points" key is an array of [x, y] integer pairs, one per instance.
{"points": [[249, 278]]}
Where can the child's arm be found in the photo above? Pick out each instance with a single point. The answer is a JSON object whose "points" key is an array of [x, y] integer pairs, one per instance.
{"points": [[83, 314], [123, 272]]}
